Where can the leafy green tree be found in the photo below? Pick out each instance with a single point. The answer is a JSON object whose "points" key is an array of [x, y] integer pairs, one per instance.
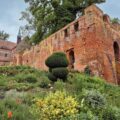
{"points": [[115, 21], [3, 35], [48, 16]]}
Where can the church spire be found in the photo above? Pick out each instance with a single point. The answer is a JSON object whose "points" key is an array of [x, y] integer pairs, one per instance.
{"points": [[19, 36]]}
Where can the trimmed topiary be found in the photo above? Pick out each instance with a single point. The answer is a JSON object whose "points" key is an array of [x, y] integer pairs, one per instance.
{"points": [[60, 72], [57, 59], [52, 77], [57, 64], [50, 69]]}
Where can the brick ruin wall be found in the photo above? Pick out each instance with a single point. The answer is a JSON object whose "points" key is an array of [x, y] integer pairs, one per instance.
{"points": [[6, 53], [90, 41]]}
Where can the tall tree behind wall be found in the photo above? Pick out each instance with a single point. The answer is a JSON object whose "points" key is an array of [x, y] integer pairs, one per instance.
{"points": [[3, 35], [48, 16]]}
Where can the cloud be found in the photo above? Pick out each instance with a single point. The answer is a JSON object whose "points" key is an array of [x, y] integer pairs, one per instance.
{"points": [[10, 12]]}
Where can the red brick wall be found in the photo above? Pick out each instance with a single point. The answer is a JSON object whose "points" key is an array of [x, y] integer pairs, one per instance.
{"points": [[6, 52], [92, 45]]}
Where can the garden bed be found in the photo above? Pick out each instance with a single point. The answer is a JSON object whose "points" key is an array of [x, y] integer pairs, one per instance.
{"points": [[22, 88]]}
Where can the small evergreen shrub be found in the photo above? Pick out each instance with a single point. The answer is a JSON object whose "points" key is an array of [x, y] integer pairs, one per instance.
{"points": [[57, 64], [95, 100], [58, 59], [60, 73]]}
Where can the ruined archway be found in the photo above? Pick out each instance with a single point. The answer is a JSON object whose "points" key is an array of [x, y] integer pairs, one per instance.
{"points": [[71, 59], [116, 51], [117, 61]]}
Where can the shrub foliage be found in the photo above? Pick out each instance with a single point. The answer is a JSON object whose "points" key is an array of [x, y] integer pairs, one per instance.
{"points": [[57, 59], [56, 106], [60, 72], [57, 64]]}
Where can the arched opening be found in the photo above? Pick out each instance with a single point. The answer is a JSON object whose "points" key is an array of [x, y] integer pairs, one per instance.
{"points": [[116, 51], [71, 59], [117, 62], [106, 18]]}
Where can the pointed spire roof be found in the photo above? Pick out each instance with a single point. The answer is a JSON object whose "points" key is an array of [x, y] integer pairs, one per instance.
{"points": [[19, 33]]}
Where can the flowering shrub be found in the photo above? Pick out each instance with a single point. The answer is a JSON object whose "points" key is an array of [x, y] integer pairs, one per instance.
{"points": [[55, 106]]}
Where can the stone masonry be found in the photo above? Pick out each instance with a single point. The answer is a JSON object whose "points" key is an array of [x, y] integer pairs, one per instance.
{"points": [[92, 40]]}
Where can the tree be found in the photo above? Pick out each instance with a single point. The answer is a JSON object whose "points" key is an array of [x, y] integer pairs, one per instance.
{"points": [[3, 35], [48, 16], [115, 21]]}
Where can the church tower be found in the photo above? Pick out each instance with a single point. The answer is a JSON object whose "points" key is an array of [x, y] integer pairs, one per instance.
{"points": [[19, 36]]}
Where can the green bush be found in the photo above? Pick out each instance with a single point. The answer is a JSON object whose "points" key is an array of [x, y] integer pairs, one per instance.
{"points": [[44, 83], [95, 100], [59, 85], [52, 77], [10, 105], [60, 72], [111, 113], [23, 86], [57, 64], [31, 78], [58, 59], [21, 78]]}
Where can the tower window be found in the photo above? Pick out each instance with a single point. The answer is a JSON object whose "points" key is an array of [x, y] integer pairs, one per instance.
{"points": [[66, 32], [6, 54], [55, 36], [76, 26]]}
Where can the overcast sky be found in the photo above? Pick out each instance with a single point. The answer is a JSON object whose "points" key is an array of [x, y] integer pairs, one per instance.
{"points": [[10, 12]]}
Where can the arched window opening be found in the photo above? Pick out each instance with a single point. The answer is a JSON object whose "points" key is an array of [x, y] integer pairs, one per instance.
{"points": [[116, 51], [117, 62], [6, 54], [71, 59], [76, 26], [106, 18]]}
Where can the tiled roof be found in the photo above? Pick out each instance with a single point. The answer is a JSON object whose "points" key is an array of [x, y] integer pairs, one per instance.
{"points": [[7, 45]]}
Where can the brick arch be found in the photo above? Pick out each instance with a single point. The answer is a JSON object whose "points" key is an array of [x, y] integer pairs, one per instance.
{"points": [[116, 51], [71, 58], [117, 59]]}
